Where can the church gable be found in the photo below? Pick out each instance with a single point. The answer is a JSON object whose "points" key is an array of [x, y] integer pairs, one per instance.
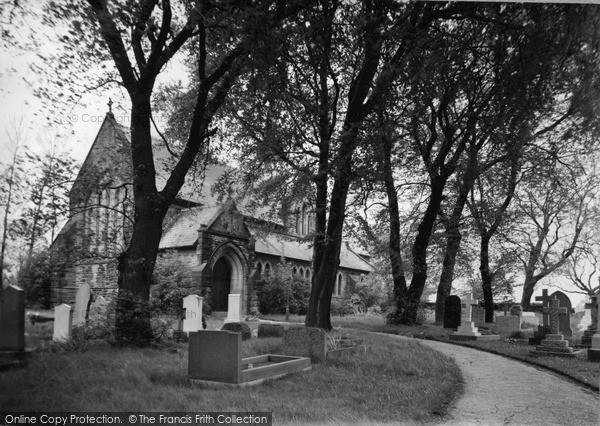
{"points": [[107, 163], [229, 222]]}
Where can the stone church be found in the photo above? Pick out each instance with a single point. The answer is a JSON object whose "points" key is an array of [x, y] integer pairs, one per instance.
{"points": [[226, 247]]}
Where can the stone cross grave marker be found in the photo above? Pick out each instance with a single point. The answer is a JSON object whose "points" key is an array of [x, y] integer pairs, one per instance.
{"points": [[593, 307], [12, 319], [82, 301], [554, 311], [466, 304], [545, 299], [192, 315], [63, 321]]}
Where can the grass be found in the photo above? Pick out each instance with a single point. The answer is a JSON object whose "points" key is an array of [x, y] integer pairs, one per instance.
{"points": [[579, 368], [393, 381]]}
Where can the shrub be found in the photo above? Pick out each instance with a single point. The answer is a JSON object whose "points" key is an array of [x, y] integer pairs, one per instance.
{"points": [[517, 335], [272, 297], [341, 307], [172, 281], [239, 327]]}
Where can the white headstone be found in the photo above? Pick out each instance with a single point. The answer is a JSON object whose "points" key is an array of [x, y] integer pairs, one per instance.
{"points": [[63, 320], [82, 299], [192, 321], [234, 308]]}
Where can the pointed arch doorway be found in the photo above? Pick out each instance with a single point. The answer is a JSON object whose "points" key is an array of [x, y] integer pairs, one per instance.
{"points": [[221, 285]]}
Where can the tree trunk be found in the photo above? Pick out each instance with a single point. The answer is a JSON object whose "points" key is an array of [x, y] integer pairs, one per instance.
{"points": [[453, 240], [453, 235], [486, 278], [395, 246], [407, 313], [136, 264], [324, 279], [528, 287]]}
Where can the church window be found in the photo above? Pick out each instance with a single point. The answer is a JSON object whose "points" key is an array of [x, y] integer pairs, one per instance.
{"points": [[267, 269], [259, 267], [294, 271], [340, 281], [307, 273]]}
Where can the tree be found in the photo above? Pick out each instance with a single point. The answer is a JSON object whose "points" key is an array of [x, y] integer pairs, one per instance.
{"points": [[339, 63], [12, 178], [139, 39], [554, 210], [47, 202], [457, 110]]}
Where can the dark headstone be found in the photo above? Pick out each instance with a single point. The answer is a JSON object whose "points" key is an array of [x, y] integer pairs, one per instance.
{"points": [[270, 330], [12, 320], [215, 356], [452, 311], [564, 321], [305, 342]]}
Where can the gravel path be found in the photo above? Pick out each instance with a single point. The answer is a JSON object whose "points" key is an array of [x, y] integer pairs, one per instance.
{"points": [[500, 391]]}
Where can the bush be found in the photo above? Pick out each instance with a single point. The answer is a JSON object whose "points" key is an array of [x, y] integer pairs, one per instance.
{"points": [[272, 300], [517, 335], [172, 281], [341, 307], [239, 327]]}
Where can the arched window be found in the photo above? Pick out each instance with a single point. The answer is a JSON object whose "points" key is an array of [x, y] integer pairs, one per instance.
{"points": [[267, 269], [258, 267], [307, 273], [294, 271], [340, 281], [301, 272]]}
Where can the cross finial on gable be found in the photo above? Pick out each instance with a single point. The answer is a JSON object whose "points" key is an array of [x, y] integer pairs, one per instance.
{"points": [[110, 102]]}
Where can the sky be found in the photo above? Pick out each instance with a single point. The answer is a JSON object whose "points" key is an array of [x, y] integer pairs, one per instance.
{"points": [[80, 122]]}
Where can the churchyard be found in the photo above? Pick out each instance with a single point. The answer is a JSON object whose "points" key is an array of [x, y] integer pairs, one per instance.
{"points": [[391, 381]]}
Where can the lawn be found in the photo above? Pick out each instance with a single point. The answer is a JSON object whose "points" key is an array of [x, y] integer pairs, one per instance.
{"points": [[579, 368], [393, 381]]}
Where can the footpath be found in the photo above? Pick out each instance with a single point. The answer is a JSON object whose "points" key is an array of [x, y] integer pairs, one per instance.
{"points": [[501, 391]]}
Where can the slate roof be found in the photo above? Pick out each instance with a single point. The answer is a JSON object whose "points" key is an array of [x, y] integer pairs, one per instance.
{"points": [[299, 249], [182, 231]]}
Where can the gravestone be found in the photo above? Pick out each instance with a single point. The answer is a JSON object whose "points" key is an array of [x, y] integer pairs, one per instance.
{"points": [[270, 330], [478, 315], [467, 329], [215, 356], [565, 320], [516, 310], [554, 343], [544, 328], [192, 318], [63, 322], [234, 308], [82, 303], [505, 325], [545, 299], [12, 320], [586, 340], [452, 312], [305, 342]]}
